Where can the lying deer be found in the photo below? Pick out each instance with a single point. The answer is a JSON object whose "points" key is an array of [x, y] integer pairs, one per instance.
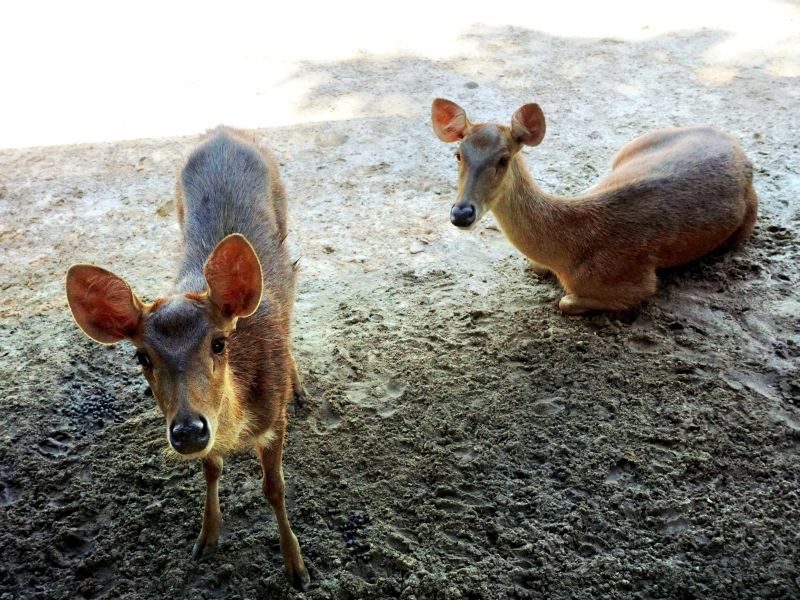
{"points": [[673, 195], [216, 351]]}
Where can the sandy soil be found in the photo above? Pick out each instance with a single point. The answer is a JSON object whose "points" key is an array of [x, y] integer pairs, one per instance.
{"points": [[462, 438]]}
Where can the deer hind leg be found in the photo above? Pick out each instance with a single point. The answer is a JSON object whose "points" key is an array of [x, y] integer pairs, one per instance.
{"points": [[298, 389], [608, 295], [570, 304], [212, 517], [749, 221], [538, 268], [273, 485]]}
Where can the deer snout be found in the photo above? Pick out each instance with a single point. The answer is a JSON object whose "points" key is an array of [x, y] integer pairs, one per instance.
{"points": [[463, 215], [189, 433]]}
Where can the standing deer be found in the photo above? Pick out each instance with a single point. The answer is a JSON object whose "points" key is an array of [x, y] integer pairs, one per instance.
{"points": [[216, 351], [672, 196]]}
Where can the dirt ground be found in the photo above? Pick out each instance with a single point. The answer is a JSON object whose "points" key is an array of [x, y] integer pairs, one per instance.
{"points": [[462, 438]]}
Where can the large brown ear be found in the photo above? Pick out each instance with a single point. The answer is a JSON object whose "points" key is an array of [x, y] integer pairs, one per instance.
{"points": [[527, 125], [449, 120], [103, 305], [234, 277]]}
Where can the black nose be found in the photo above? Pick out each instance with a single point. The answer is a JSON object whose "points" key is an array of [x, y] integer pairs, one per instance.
{"points": [[188, 433], [462, 216]]}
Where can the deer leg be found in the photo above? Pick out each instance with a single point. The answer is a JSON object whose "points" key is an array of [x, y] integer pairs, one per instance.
{"points": [[578, 305], [212, 517], [749, 221], [271, 463], [538, 268], [610, 295], [297, 386]]}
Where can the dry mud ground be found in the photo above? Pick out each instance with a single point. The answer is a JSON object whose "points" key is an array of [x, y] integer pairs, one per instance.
{"points": [[462, 438]]}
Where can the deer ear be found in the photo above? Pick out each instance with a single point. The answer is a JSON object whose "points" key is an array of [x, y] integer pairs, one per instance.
{"points": [[527, 125], [449, 120], [234, 277], [104, 306]]}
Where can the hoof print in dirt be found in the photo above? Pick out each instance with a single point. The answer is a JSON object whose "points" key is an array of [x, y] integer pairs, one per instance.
{"points": [[9, 494], [623, 471], [56, 445]]}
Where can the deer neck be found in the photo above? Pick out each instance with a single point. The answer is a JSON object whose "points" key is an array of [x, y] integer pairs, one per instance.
{"points": [[536, 222]]}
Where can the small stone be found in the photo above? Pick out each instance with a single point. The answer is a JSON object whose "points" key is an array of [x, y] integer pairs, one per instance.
{"points": [[166, 208]]}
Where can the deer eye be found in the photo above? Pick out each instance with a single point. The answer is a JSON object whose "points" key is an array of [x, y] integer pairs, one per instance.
{"points": [[143, 359], [503, 162], [218, 346]]}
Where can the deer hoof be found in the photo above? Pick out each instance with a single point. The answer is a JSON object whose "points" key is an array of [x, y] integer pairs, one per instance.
{"points": [[573, 305], [300, 397], [203, 548], [537, 269], [300, 580]]}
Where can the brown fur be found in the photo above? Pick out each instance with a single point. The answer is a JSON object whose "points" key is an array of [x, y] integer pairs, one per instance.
{"points": [[673, 195]]}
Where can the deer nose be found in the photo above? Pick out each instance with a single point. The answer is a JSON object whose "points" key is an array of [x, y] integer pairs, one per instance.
{"points": [[189, 433], [462, 216]]}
